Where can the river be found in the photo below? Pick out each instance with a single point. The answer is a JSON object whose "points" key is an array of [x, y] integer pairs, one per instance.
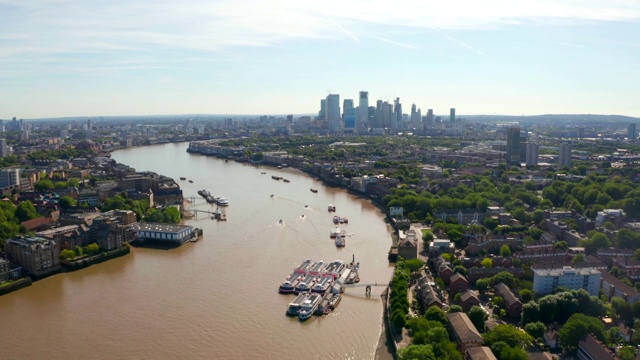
{"points": [[217, 298]]}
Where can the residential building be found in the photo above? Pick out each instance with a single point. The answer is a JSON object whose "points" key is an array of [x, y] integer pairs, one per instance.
{"points": [[408, 246], [479, 353], [545, 281], [591, 348], [458, 284], [564, 155], [462, 216], [614, 287], [36, 255], [427, 295], [532, 154], [108, 232], [513, 146], [9, 177], [468, 299], [512, 305], [464, 332]]}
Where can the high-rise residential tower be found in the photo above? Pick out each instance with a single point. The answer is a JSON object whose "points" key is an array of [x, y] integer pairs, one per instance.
{"points": [[631, 132], [532, 154], [564, 155], [333, 113], [513, 146]]}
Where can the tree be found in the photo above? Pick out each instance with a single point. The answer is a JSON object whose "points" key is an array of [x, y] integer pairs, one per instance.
{"points": [[487, 263], [413, 265], [513, 353], [454, 309], [67, 254], [530, 312], [627, 353], [477, 316], [26, 211], [434, 313], [483, 284], [505, 250], [508, 334], [93, 248], [577, 327], [417, 352], [535, 329], [526, 295], [460, 269], [44, 185], [67, 202]]}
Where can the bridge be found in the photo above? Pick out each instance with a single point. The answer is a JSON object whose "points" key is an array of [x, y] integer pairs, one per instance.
{"points": [[366, 286]]}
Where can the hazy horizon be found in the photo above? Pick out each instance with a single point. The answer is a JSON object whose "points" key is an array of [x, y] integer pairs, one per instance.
{"points": [[67, 58]]}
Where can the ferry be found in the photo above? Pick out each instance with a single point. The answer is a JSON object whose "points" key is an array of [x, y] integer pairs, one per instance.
{"points": [[335, 232], [331, 208], [305, 284], [334, 269], [317, 268], [288, 286], [309, 306], [294, 306], [340, 241], [322, 285], [302, 269], [336, 219], [314, 190]]}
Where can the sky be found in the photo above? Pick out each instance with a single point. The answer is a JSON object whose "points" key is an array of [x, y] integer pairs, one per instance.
{"points": [[62, 58]]}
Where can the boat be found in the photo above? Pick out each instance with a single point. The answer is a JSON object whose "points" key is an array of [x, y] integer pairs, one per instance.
{"points": [[280, 222], [183, 178], [314, 190], [335, 300], [331, 208], [204, 193], [345, 220], [306, 206], [317, 268], [334, 269], [276, 177], [323, 307], [302, 268], [221, 201], [340, 241], [305, 284], [286, 180], [294, 306], [271, 195], [335, 232], [322, 285], [210, 199], [309, 306], [289, 284], [336, 219], [341, 220], [263, 173], [191, 181]]}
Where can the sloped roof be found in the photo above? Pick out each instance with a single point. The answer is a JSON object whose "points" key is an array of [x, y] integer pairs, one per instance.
{"points": [[595, 348], [463, 327], [468, 295], [503, 290], [457, 276], [480, 353], [35, 223]]}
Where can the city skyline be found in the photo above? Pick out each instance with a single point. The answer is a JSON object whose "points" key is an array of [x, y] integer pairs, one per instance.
{"points": [[70, 58]]}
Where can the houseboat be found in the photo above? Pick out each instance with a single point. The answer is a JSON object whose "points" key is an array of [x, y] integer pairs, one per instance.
{"points": [[294, 306], [289, 285], [309, 306]]}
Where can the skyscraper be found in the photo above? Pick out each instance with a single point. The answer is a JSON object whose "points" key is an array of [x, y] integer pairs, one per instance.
{"points": [[322, 114], [452, 115], [396, 120], [564, 156], [513, 146], [333, 112], [349, 114], [631, 132], [430, 118], [532, 154], [363, 108]]}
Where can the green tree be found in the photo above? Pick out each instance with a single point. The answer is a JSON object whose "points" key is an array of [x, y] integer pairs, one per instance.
{"points": [[483, 285], [417, 352], [67, 254], [530, 312], [67, 202], [487, 263], [434, 313], [577, 327], [627, 353], [413, 265], [92, 248], [505, 250], [477, 316], [508, 334], [535, 329], [526, 295], [454, 309], [26, 211], [44, 185]]}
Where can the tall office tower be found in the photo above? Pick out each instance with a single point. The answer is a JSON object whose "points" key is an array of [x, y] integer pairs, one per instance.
{"points": [[564, 156], [378, 120], [333, 113], [415, 115], [387, 114], [372, 116], [4, 149], [322, 114], [513, 146], [349, 114], [363, 108], [532, 154], [452, 115], [631, 132], [396, 121], [430, 118]]}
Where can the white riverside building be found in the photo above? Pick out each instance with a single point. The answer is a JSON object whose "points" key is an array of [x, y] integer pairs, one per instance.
{"points": [[162, 233], [545, 281]]}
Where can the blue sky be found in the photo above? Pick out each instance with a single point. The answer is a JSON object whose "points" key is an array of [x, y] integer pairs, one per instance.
{"points": [[125, 57]]}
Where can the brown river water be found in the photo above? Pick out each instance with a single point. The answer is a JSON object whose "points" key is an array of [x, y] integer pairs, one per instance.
{"points": [[217, 298]]}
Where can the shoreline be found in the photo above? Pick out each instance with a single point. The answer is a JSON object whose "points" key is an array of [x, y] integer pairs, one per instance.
{"points": [[384, 350]]}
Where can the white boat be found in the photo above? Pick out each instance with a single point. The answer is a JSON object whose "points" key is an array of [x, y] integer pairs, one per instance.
{"points": [[294, 306], [221, 201], [309, 306], [331, 208], [335, 232]]}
